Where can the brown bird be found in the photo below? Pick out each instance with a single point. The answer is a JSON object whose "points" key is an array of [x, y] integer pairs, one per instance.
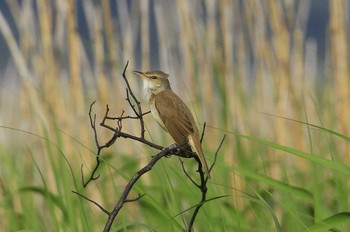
{"points": [[171, 112]]}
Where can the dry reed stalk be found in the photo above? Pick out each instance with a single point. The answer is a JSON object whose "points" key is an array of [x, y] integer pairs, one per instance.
{"points": [[162, 36], [340, 66], [227, 9], [127, 34], [281, 77], [97, 83], [312, 86], [298, 85], [111, 48], [46, 63], [128, 25], [228, 98], [206, 73], [145, 38], [205, 49], [76, 89], [186, 42], [301, 93], [234, 49], [280, 40], [99, 58], [74, 123], [262, 99], [25, 25], [110, 38]]}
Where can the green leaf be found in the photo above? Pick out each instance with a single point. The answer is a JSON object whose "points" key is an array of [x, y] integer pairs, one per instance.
{"points": [[330, 222]]}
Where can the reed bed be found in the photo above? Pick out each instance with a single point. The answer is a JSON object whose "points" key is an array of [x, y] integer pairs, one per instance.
{"points": [[246, 68]]}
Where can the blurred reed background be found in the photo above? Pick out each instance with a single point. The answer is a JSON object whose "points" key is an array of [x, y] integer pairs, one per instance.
{"points": [[243, 67]]}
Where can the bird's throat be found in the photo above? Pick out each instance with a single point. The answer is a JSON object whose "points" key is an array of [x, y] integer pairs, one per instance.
{"points": [[152, 90]]}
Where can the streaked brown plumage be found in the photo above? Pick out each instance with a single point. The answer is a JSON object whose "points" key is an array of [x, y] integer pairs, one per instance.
{"points": [[171, 112]]}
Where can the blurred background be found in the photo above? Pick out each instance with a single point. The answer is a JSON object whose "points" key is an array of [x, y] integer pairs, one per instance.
{"points": [[271, 75]]}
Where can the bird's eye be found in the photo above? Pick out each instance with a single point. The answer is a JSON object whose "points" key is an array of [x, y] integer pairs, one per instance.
{"points": [[153, 77]]}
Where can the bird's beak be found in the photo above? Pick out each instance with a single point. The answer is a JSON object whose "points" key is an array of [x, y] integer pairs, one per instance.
{"points": [[140, 74]]}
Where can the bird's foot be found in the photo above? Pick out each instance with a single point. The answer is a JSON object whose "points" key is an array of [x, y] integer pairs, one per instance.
{"points": [[171, 147]]}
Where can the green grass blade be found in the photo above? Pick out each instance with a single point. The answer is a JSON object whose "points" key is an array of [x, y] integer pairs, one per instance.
{"points": [[332, 132], [330, 222], [308, 156], [274, 183]]}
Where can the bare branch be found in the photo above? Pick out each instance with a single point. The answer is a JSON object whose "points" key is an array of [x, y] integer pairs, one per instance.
{"points": [[133, 137], [203, 185], [127, 117], [188, 176], [134, 179], [94, 202], [93, 122], [93, 126], [132, 106], [217, 152]]}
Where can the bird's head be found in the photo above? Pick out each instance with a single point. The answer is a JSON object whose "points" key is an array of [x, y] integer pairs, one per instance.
{"points": [[154, 81]]}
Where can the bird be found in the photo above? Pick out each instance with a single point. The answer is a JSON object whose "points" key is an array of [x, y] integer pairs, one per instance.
{"points": [[171, 113]]}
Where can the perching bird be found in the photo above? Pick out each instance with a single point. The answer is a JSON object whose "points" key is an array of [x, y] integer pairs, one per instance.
{"points": [[171, 112]]}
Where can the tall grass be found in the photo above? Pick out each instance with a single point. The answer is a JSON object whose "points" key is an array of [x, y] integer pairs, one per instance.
{"points": [[244, 67]]}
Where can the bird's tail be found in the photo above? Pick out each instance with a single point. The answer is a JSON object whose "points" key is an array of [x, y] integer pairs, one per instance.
{"points": [[196, 145]]}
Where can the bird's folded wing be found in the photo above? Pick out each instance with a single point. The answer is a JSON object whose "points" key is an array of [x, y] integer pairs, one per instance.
{"points": [[175, 116]]}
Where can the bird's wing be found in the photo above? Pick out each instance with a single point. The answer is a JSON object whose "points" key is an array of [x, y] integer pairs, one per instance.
{"points": [[175, 115]]}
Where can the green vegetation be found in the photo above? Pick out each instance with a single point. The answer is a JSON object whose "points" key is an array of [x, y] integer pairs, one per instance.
{"points": [[244, 67]]}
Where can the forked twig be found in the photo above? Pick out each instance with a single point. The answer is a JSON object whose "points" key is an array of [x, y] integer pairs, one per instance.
{"points": [[138, 112], [94, 202], [203, 185]]}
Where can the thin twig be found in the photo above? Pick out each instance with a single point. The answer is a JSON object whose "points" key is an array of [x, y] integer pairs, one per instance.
{"points": [[127, 117], [93, 126], [217, 152], [135, 199], [94, 202], [133, 137], [138, 112], [93, 123], [186, 173]]}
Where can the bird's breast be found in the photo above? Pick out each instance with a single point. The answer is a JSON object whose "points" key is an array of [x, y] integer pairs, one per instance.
{"points": [[155, 113]]}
